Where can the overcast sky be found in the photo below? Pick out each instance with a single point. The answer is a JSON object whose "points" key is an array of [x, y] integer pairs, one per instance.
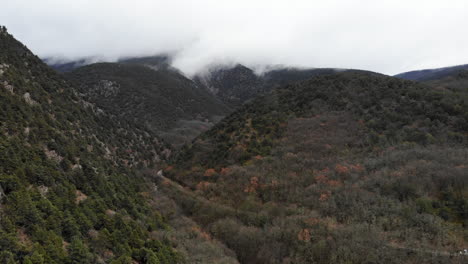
{"points": [[388, 36]]}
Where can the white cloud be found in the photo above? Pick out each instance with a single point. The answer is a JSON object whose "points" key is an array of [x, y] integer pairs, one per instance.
{"points": [[385, 36]]}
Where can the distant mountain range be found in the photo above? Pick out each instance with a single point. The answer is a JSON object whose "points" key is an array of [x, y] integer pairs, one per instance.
{"points": [[149, 91], [432, 74], [224, 77]]}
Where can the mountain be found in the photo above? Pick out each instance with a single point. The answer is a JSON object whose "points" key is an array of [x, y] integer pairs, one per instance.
{"points": [[352, 167], [238, 84], [69, 190], [161, 100], [231, 85], [432, 74]]}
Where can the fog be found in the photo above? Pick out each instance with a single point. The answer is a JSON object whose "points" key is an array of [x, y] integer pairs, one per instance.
{"points": [[383, 36]]}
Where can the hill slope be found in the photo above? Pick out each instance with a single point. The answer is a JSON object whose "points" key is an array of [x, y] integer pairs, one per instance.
{"points": [[353, 167], [67, 190], [161, 100]]}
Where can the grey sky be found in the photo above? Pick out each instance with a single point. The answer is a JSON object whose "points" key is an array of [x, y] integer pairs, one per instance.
{"points": [[388, 36]]}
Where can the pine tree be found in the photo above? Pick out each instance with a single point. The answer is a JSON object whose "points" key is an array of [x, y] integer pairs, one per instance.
{"points": [[78, 252]]}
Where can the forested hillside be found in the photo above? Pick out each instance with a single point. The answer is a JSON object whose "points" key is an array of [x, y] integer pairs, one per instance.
{"points": [[68, 190], [353, 167], [161, 100]]}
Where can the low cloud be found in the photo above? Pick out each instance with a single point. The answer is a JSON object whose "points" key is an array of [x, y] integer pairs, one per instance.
{"points": [[384, 36]]}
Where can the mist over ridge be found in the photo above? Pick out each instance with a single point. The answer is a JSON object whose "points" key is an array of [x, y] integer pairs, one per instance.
{"points": [[388, 37]]}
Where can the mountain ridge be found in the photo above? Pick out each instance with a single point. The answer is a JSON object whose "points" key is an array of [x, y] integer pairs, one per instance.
{"points": [[432, 74]]}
